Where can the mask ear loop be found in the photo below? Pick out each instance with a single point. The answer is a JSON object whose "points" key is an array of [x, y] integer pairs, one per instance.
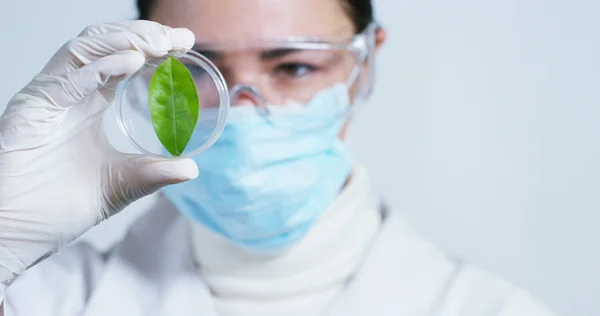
{"points": [[354, 74]]}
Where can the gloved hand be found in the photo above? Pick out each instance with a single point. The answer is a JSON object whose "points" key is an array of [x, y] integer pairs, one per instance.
{"points": [[59, 176]]}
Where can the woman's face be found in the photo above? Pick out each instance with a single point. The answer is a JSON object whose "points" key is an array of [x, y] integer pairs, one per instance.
{"points": [[293, 76]]}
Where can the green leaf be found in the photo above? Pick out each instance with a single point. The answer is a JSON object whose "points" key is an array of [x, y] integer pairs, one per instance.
{"points": [[174, 105]]}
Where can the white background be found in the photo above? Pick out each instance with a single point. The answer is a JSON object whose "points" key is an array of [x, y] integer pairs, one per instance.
{"points": [[484, 128]]}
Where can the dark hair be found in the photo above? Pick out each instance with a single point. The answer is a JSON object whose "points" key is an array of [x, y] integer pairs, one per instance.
{"points": [[360, 11]]}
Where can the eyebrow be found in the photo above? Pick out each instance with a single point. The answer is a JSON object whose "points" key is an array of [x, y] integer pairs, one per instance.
{"points": [[210, 54], [277, 53], [264, 55]]}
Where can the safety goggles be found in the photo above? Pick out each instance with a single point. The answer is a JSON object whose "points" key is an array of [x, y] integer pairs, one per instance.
{"points": [[291, 71]]}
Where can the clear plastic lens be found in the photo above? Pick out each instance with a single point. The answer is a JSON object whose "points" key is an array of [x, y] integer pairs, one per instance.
{"points": [[286, 75], [133, 112]]}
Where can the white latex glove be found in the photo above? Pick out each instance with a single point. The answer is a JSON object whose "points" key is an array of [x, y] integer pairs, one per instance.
{"points": [[59, 176]]}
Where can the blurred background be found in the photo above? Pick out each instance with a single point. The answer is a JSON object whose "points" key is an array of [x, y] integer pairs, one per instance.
{"points": [[483, 129]]}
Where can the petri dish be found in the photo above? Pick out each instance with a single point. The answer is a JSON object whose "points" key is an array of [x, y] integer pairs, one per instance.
{"points": [[133, 110]]}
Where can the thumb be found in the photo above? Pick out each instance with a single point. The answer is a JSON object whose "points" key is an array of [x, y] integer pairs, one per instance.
{"points": [[133, 176], [160, 172]]}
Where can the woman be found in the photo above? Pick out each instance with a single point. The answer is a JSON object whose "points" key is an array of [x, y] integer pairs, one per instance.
{"points": [[288, 227]]}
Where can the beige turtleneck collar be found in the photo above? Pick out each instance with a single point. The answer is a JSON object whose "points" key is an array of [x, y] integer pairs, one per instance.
{"points": [[302, 280]]}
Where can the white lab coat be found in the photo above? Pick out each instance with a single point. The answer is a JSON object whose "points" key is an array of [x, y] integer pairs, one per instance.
{"points": [[152, 272]]}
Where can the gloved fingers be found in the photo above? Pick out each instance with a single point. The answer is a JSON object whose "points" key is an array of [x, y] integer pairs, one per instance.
{"points": [[70, 88], [152, 41], [131, 177]]}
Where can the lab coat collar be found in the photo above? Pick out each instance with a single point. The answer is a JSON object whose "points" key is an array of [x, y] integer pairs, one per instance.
{"points": [[152, 272], [402, 275]]}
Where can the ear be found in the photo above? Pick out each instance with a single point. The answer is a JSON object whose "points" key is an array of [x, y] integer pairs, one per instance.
{"points": [[380, 38]]}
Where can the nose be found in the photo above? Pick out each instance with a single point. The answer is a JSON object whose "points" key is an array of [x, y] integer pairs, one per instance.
{"points": [[247, 95]]}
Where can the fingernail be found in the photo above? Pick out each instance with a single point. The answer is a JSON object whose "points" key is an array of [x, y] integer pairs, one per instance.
{"points": [[182, 38]]}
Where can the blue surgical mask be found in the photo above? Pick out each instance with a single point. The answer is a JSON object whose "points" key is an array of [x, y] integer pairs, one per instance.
{"points": [[267, 179]]}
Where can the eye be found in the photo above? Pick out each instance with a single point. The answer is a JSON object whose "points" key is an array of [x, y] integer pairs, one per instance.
{"points": [[196, 71], [295, 70]]}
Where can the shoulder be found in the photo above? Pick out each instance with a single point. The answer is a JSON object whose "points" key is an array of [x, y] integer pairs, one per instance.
{"points": [[475, 291], [59, 285], [451, 285]]}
